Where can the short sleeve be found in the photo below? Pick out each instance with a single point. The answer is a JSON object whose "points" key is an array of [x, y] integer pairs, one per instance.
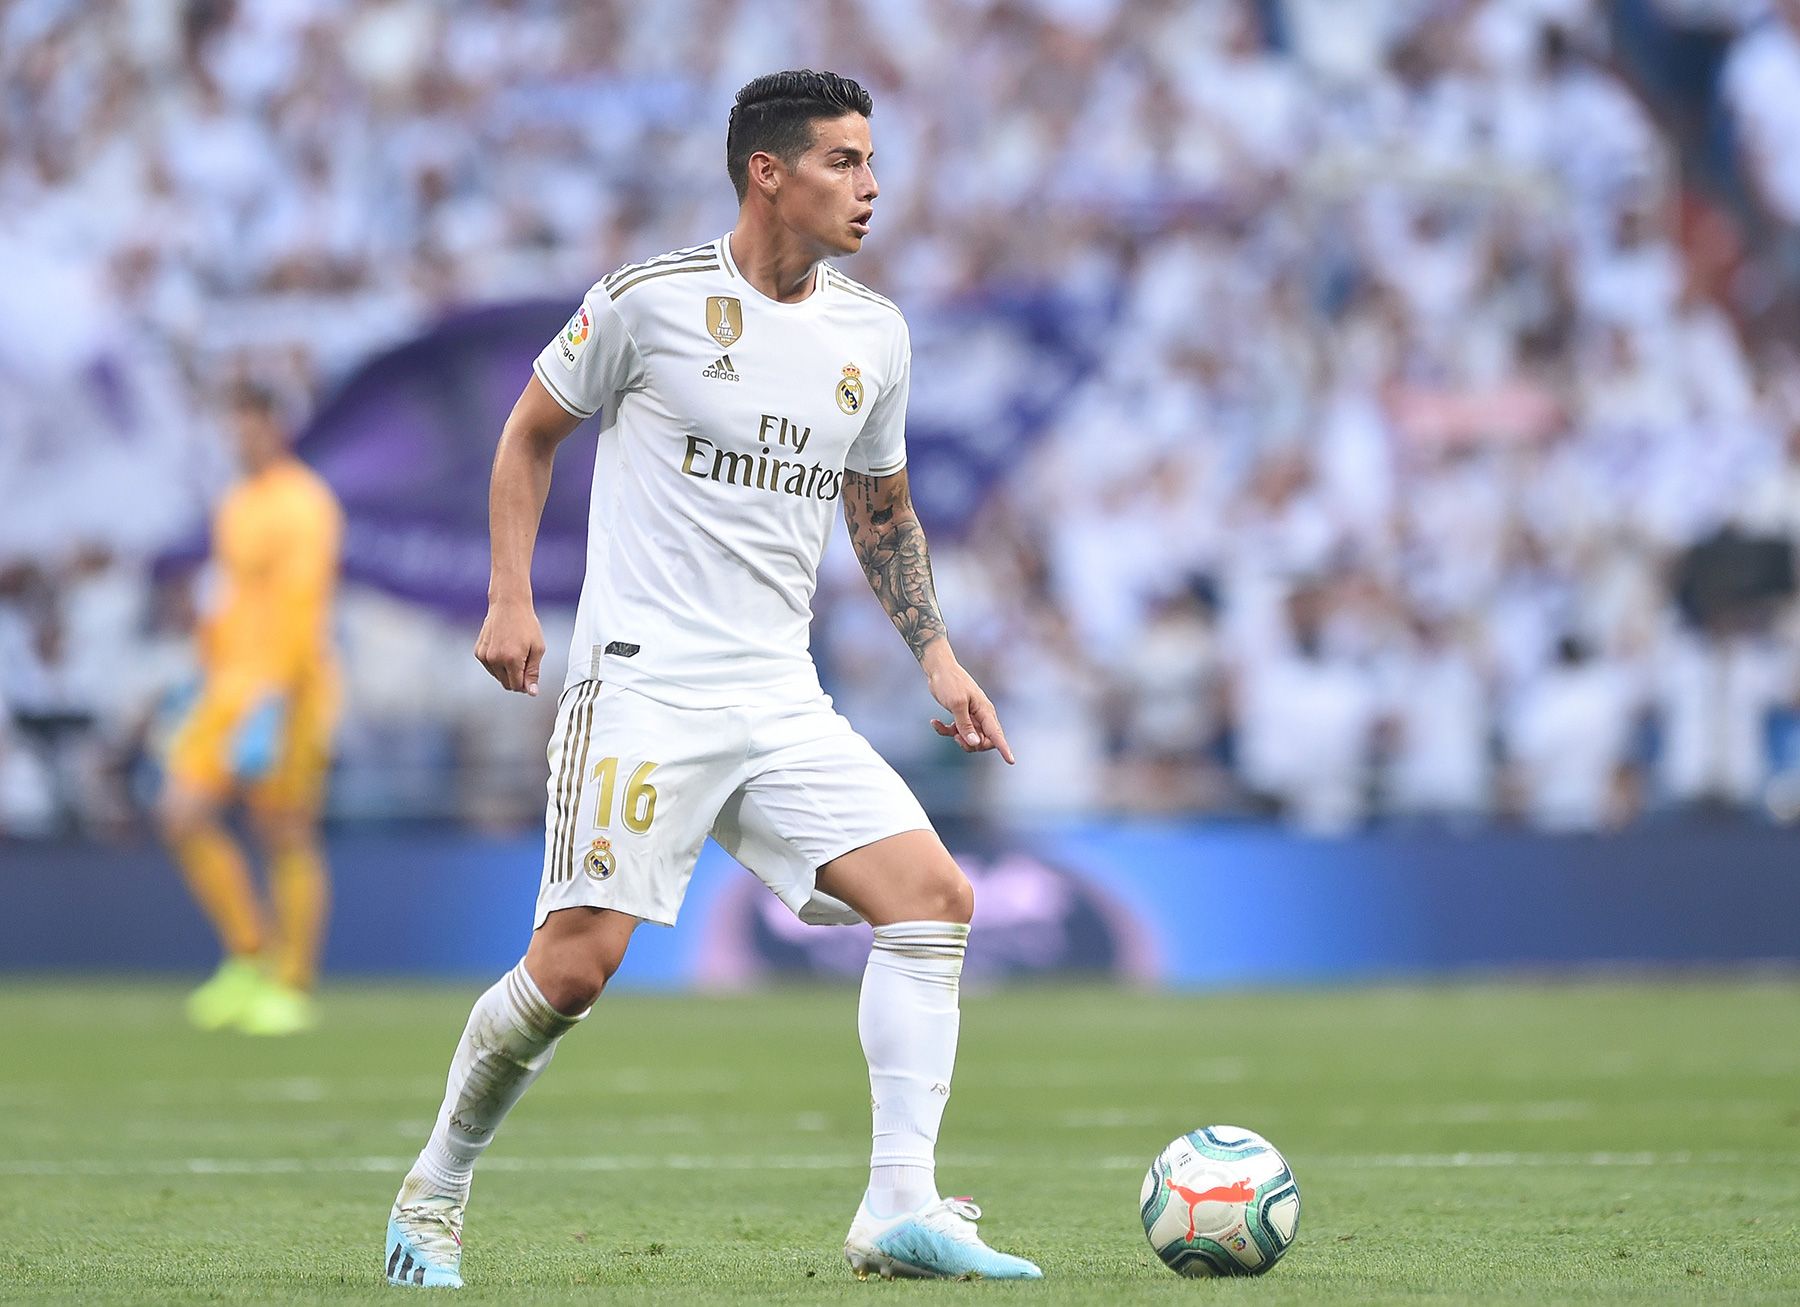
{"points": [[592, 359], [879, 450]]}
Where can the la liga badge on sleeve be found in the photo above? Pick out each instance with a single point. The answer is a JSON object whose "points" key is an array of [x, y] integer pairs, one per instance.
{"points": [[575, 337]]}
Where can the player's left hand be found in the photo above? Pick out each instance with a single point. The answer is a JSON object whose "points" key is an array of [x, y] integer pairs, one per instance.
{"points": [[977, 727]]}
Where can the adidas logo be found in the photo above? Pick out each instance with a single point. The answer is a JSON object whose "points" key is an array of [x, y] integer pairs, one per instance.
{"points": [[400, 1272], [721, 369]]}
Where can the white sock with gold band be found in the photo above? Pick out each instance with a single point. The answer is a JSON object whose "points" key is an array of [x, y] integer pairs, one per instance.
{"points": [[510, 1039], [908, 1019]]}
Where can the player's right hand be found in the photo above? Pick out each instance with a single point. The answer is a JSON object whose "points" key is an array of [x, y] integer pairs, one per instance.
{"points": [[511, 645]]}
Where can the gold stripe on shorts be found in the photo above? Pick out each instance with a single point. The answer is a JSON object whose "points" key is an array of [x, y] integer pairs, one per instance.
{"points": [[587, 735], [564, 828]]}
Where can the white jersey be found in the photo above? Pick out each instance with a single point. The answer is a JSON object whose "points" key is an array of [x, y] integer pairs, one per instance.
{"points": [[728, 420]]}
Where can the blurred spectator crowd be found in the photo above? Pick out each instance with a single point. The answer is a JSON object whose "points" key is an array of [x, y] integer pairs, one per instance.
{"points": [[1429, 446]]}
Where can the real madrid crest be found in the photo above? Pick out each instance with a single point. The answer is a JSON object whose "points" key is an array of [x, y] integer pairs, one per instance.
{"points": [[599, 861], [724, 320], [850, 390]]}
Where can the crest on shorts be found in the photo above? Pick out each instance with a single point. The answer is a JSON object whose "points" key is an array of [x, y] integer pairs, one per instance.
{"points": [[600, 862], [850, 390], [724, 319]]}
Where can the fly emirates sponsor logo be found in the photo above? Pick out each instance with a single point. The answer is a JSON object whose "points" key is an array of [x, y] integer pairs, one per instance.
{"points": [[764, 468]]}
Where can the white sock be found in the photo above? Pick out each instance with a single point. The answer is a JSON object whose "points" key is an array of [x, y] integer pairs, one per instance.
{"points": [[510, 1038], [908, 1020]]}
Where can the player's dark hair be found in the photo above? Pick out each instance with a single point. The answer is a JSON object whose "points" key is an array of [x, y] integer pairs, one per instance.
{"points": [[775, 114]]}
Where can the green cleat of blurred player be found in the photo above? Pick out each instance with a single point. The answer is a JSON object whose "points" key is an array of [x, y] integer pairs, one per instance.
{"points": [[224, 999]]}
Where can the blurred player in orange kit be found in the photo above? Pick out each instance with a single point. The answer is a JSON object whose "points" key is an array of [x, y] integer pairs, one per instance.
{"points": [[260, 730]]}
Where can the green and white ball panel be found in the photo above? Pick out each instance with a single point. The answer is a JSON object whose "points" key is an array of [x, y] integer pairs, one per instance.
{"points": [[1226, 1143], [1278, 1212], [1220, 1201]]}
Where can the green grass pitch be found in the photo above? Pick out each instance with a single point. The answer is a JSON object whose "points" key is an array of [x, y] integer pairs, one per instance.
{"points": [[1525, 1143]]}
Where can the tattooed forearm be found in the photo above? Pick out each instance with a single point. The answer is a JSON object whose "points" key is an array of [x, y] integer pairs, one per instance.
{"points": [[890, 544]]}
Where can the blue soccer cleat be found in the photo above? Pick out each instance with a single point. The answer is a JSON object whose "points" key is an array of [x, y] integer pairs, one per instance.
{"points": [[424, 1239], [936, 1242]]}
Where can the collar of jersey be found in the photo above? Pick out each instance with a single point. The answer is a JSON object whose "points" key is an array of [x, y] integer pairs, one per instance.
{"points": [[808, 305]]}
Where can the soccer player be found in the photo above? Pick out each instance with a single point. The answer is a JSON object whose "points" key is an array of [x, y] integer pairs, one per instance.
{"points": [[745, 387], [260, 730]]}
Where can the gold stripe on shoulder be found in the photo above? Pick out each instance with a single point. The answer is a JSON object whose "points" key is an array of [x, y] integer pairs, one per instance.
{"points": [[671, 256], [666, 272], [856, 288], [848, 282], [674, 256], [631, 270]]}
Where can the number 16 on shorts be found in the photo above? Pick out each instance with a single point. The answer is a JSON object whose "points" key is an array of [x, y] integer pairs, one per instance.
{"points": [[592, 800], [635, 785], [639, 811], [640, 796]]}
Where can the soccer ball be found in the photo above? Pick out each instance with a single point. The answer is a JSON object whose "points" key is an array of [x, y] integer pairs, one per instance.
{"points": [[1220, 1201]]}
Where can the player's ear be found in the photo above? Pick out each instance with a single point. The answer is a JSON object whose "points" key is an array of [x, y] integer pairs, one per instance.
{"points": [[766, 172]]}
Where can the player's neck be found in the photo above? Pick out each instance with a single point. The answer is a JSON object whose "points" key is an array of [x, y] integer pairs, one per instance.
{"points": [[260, 464], [773, 261]]}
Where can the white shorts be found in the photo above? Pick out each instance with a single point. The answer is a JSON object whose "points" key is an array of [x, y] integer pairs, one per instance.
{"points": [[636, 786]]}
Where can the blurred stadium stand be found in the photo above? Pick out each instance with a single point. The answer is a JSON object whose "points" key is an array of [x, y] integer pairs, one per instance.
{"points": [[1328, 410]]}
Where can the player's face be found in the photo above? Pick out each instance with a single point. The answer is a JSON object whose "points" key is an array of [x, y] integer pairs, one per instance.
{"points": [[828, 196], [260, 438]]}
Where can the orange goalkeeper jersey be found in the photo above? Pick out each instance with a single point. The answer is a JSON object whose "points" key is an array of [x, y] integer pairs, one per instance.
{"points": [[276, 544]]}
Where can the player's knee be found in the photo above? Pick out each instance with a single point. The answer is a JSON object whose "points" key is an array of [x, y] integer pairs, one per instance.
{"points": [[572, 985], [176, 824], [182, 815], [281, 829], [574, 954], [951, 896]]}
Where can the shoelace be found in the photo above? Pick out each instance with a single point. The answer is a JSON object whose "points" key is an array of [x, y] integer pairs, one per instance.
{"points": [[448, 1217], [963, 1207]]}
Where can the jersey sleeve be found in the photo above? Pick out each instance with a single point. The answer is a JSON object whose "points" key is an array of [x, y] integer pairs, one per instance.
{"points": [[592, 359], [879, 449]]}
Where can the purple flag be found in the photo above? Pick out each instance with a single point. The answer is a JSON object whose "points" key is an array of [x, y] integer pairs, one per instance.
{"points": [[407, 443]]}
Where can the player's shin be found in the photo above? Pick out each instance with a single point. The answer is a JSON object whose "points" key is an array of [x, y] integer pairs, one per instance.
{"points": [[213, 866], [301, 890], [511, 1037], [908, 1019]]}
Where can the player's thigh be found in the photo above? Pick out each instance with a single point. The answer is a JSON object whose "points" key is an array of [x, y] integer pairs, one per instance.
{"points": [[288, 797], [197, 765], [906, 877], [185, 809], [633, 789], [817, 792]]}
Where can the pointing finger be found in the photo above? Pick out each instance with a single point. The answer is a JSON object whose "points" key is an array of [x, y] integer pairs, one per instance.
{"points": [[990, 724]]}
